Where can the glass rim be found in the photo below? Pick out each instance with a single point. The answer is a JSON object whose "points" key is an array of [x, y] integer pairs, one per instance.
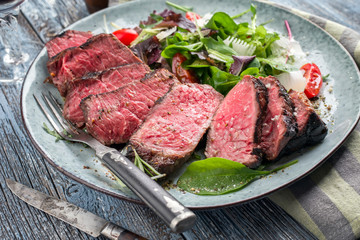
{"points": [[9, 6]]}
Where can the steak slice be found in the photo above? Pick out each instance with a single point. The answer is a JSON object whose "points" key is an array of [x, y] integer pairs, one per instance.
{"points": [[99, 53], [175, 126], [280, 123], [96, 83], [311, 128], [235, 130], [67, 39], [112, 117]]}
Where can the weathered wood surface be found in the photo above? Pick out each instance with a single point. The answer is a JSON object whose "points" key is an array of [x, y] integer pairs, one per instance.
{"points": [[19, 160]]}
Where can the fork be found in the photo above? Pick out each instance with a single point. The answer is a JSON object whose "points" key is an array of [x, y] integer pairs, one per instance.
{"points": [[241, 48], [173, 213]]}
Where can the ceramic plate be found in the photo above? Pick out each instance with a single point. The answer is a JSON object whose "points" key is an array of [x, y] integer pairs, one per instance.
{"points": [[341, 91]]}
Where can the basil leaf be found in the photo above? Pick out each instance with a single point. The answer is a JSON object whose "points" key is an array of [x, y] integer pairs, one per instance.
{"points": [[217, 176]]}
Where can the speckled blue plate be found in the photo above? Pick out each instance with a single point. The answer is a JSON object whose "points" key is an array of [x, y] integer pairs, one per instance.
{"points": [[80, 163]]}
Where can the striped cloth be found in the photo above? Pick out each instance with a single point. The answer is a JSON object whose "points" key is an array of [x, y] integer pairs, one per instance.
{"points": [[327, 202]]}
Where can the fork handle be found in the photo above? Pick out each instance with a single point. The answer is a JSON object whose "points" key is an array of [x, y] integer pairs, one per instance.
{"points": [[175, 215]]}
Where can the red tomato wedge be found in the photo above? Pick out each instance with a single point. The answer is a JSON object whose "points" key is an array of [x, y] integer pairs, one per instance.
{"points": [[126, 36], [192, 16], [183, 75], [313, 79]]}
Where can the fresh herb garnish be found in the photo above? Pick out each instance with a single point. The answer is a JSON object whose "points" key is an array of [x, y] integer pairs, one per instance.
{"points": [[145, 167], [217, 176], [52, 133]]}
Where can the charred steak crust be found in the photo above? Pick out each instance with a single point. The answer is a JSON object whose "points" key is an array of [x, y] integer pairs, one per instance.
{"points": [[236, 127], [112, 117], [175, 126], [96, 83], [312, 129], [262, 99], [98, 53], [65, 40], [280, 123]]}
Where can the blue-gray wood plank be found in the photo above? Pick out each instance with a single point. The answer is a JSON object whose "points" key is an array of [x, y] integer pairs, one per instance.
{"points": [[19, 160]]}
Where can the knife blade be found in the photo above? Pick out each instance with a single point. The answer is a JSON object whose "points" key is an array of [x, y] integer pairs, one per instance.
{"points": [[70, 213]]}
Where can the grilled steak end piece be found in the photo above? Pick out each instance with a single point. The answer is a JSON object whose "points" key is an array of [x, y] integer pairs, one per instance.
{"points": [[312, 129], [67, 39], [235, 131], [96, 83], [112, 117], [98, 53], [280, 123], [175, 126]]}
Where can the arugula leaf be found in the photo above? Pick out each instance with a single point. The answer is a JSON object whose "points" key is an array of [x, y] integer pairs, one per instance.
{"points": [[217, 176]]}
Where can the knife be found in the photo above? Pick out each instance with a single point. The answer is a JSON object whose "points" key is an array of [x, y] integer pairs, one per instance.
{"points": [[70, 213]]}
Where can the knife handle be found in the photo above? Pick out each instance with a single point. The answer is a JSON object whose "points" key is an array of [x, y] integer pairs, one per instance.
{"points": [[175, 215], [115, 232]]}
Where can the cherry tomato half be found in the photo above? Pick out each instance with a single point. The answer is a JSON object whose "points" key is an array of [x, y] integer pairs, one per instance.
{"points": [[313, 80], [184, 75], [192, 16], [126, 36]]}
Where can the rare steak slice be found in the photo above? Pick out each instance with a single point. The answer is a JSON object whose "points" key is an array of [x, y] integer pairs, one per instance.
{"points": [[112, 117], [175, 126], [236, 127], [96, 83], [67, 39], [311, 128], [99, 53], [280, 123]]}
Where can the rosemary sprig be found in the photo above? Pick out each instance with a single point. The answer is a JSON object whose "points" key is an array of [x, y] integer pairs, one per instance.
{"points": [[145, 167]]}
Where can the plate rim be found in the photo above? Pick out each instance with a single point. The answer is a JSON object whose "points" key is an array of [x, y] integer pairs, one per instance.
{"points": [[138, 201]]}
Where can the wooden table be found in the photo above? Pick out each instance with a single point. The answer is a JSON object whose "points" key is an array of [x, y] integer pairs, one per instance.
{"points": [[19, 160]]}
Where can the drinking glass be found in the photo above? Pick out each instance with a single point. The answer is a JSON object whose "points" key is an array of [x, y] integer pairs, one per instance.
{"points": [[10, 43]]}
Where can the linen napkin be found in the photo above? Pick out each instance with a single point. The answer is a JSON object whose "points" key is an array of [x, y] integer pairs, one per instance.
{"points": [[327, 202]]}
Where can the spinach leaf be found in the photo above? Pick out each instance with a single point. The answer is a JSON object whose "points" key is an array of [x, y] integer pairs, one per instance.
{"points": [[220, 80], [172, 49], [272, 66], [253, 71], [218, 46], [223, 23], [217, 176]]}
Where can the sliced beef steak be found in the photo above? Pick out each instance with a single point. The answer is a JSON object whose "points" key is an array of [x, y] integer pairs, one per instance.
{"points": [[175, 126], [236, 127], [96, 83], [113, 117], [311, 128], [67, 39], [99, 53], [280, 123]]}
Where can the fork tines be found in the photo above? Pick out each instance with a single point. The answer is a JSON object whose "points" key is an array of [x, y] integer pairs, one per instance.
{"points": [[56, 111]]}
